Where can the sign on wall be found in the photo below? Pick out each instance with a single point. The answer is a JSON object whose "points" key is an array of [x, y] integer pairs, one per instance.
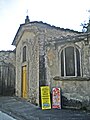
{"points": [[45, 97], [56, 99]]}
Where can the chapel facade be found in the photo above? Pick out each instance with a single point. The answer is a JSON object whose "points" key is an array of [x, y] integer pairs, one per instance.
{"points": [[53, 56]]}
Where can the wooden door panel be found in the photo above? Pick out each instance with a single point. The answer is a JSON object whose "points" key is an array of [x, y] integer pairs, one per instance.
{"points": [[24, 82]]}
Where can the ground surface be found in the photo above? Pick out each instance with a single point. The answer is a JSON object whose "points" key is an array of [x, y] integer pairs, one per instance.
{"points": [[4, 116], [23, 110]]}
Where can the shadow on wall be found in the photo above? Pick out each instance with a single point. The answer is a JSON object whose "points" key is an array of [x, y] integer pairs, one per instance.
{"points": [[7, 79], [75, 104]]}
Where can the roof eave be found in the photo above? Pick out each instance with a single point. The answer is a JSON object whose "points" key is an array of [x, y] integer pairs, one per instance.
{"points": [[16, 36]]}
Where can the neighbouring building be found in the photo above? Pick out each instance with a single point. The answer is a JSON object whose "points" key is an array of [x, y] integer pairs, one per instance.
{"points": [[49, 55], [7, 73]]}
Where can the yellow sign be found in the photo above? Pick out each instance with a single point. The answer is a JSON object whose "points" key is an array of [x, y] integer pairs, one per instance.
{"points": [[45, 97]]}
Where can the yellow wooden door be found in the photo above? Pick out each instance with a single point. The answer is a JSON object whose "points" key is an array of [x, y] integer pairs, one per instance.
{"points": [[24, 82]]}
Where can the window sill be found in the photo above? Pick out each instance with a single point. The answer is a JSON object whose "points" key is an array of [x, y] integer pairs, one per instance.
{"points": [[58, 78]]}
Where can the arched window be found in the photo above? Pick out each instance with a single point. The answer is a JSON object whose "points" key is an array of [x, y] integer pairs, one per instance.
{"points": [[24, 53], [70, 62]]}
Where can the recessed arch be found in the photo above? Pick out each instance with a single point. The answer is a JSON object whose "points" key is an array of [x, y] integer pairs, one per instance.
{"points": [[70, 61]]}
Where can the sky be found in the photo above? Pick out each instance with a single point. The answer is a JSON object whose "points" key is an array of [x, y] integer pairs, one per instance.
{"points": [[60, 13]]}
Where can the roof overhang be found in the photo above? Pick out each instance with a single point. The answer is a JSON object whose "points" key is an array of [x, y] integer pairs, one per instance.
{"points": [[76, 38], [21, 30]]}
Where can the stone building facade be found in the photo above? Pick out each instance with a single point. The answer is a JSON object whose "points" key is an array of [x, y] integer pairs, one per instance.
{"points": [[49, 55], [68, 67]]}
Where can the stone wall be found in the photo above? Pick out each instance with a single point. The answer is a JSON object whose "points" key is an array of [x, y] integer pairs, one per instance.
{"points": [[8, 57], [32, 62], [7, 72], [45, 34], [74, 90], [43, 63], [74, 93]]}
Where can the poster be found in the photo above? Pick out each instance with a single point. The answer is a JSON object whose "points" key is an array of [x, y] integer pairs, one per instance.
{"points": [[56, 100], [45, 97]]}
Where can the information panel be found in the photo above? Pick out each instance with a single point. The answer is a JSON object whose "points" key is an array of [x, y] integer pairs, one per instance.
{"points": [[56, 100], [45, 97]]}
